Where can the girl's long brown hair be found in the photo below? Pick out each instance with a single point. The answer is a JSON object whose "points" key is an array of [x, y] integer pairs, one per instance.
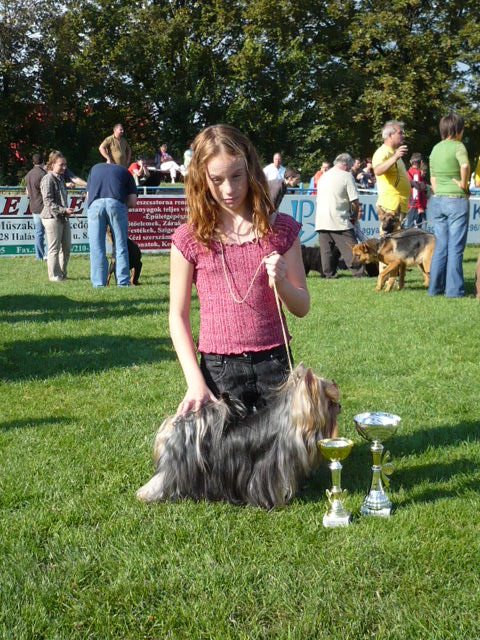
{"points": [[202, 209]]}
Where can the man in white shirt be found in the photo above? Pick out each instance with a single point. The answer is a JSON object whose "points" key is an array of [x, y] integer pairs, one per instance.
{"points": [[274, 170], [337, 211]]}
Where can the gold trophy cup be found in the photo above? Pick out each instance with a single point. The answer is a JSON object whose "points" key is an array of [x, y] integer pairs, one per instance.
{"points": [[334, 450]]}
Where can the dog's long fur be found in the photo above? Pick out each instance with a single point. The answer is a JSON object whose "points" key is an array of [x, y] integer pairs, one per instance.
{"points": [[398, 251], [221, 453]]}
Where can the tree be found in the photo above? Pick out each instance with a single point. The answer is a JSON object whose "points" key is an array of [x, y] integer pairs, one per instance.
{"points": [[20, 40], [311, 78], [416, 61]]}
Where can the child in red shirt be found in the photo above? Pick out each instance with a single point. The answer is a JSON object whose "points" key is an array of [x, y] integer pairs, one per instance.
{"points": [[418, 195]]}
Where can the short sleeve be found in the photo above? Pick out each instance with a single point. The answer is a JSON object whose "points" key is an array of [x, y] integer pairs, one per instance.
{"points": [[461, 154], [380, 155], [106, 142], [285, 231], [351, 188], [184, 241], [131, 186]]}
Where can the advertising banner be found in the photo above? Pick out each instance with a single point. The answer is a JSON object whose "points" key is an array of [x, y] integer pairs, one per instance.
{"points": [[302, 208], [153, 220]]}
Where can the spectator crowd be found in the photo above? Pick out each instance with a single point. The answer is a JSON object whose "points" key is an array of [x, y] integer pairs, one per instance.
{"points": [[402, 200]]}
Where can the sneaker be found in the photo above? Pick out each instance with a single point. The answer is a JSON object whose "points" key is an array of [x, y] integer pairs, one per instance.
{"points": [[56, 279]]}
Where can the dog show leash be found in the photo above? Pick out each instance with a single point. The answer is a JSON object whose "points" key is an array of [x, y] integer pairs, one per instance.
{"points": [[242, 300]]}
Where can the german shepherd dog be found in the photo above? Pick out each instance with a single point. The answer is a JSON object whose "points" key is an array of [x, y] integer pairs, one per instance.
{"points": [[390, 221], [134, 259], [398, 251]]}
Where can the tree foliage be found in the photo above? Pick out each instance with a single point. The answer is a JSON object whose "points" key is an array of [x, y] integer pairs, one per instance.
{"points": [[310, 78]]}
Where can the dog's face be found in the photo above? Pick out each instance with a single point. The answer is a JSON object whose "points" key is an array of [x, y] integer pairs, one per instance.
{"points": [[315, 405], [389, 221], [364, 253]]}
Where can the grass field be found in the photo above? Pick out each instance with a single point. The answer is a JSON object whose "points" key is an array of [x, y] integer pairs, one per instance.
{"points": [[86, 376]]}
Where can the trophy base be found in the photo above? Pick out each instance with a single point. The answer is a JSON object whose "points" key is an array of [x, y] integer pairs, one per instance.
{"points": [[332, 520], [376, 504], [379, 513]]}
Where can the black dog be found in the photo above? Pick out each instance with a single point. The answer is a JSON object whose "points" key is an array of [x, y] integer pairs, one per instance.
{"points": [[311, 259], [134, 260]]}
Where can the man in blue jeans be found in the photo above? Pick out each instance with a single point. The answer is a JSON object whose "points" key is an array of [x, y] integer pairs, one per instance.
{"points": [[111, 191]]}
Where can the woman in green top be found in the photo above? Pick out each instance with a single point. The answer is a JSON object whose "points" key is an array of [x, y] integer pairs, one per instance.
{"points": [[450, 172]]}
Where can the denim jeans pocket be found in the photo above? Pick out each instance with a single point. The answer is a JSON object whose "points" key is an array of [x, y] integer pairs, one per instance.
{"points": [[215, 368]]}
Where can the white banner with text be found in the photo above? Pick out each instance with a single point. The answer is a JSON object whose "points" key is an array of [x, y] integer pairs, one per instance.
{"points": [[155, 217]]}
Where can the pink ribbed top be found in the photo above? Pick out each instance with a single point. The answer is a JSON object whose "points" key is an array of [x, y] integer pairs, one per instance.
{"points": [[227, 327]]}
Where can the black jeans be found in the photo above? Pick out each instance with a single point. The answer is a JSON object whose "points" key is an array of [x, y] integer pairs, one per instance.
{"points": [[248, 377]]}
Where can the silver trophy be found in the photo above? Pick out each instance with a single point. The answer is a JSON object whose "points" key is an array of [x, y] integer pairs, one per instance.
{"points": [[377, 427], [334, 450]]}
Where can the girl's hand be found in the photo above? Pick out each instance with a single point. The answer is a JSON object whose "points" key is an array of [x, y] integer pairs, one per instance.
{"points": [[276, 267], [194, 399]]}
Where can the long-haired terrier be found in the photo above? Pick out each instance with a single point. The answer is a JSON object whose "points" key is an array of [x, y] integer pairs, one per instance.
{"points": [[221, 453]]}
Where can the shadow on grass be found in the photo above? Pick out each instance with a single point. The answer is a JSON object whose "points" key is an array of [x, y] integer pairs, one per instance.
{"points": [[430, 479], [469, 285], [432, 438], [430, 482], [48, 421], [42, 359], [36, 308]]}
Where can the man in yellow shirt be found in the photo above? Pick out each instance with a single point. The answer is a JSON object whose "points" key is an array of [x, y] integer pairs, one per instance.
{"points": [[477, 175], [115, 149], [392, 180]]}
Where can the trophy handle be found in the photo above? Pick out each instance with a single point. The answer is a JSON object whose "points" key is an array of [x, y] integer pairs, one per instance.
{"points": [[387, 469]]}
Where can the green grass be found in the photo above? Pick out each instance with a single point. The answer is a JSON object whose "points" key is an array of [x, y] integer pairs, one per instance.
{"points": [[86, 376]]}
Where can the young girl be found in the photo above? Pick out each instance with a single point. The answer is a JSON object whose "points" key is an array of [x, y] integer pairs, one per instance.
{"points": [[233, 248]]}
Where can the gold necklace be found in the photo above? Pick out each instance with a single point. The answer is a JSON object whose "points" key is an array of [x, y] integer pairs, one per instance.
{"points": [[234, 298]]}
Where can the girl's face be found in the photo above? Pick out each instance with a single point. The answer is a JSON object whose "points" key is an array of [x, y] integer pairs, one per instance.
{"points": [[227, 181], [59, 166]]}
